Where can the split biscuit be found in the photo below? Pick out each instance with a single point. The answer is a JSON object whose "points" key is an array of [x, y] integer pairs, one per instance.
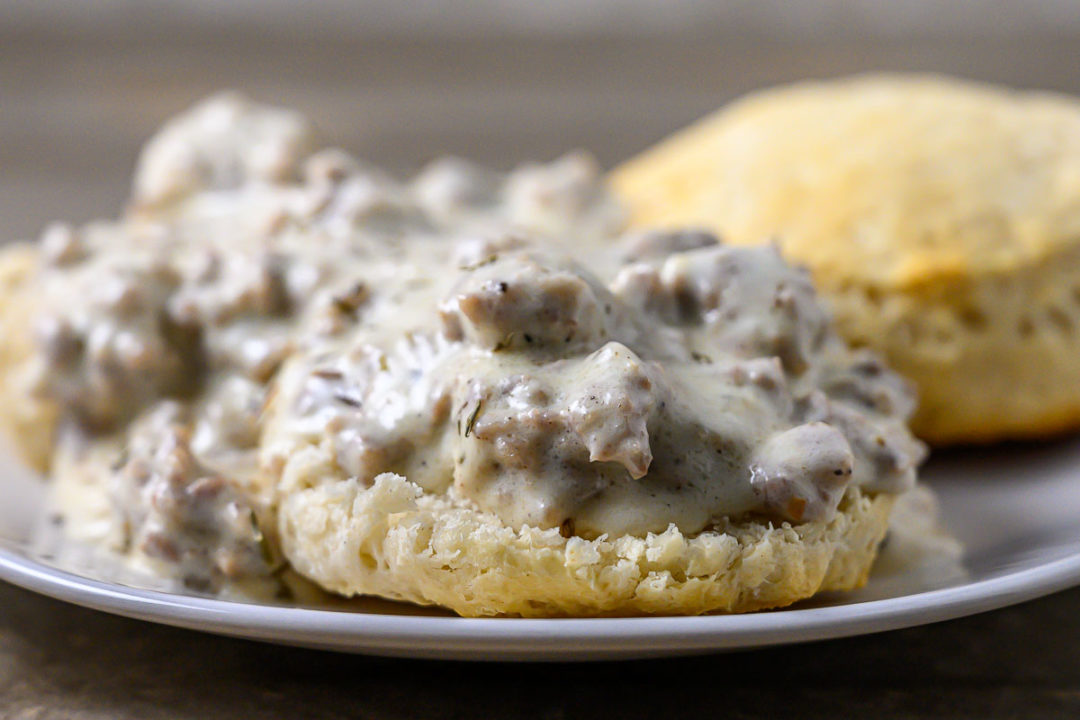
{"points": [[396, 541]]}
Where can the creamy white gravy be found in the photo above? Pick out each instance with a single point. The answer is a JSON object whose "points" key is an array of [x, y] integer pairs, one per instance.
{"points": [[498, 333]]}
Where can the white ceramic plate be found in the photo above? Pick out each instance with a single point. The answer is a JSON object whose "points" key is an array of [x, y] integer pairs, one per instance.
{"points": [[1015, 509]]}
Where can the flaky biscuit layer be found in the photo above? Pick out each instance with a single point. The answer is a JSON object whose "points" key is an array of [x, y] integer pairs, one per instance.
{"points": [[394, 540]]}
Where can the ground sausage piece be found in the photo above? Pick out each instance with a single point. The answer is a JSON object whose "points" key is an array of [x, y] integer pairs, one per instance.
{"points": [[567, 195], [223, 142], [613, 402], [519, 302], [801, 473], [749, 300], [452, 186]]}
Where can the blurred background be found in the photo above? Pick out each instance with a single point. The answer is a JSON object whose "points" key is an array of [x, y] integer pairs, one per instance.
{"points": [[84, 82]]}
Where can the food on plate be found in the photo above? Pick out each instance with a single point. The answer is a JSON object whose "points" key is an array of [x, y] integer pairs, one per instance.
{"points": [[472, 389], [679, 434], [940, 219]]}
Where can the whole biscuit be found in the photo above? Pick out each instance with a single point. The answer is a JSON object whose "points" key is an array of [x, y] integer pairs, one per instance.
{"points": [[941, 219]]}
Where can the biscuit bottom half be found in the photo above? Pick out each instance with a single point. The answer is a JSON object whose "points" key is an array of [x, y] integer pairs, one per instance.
{"points": [[391, 539]]}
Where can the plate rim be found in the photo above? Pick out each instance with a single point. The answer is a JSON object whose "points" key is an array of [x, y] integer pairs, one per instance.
{"points": [[532, 638]]}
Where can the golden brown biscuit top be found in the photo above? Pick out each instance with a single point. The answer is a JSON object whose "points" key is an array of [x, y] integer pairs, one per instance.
{"points": [[887, 180]]}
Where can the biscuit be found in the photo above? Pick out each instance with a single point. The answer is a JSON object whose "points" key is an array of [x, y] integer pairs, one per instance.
{"points": [[940, 218], [28, 421], [394, 540]]}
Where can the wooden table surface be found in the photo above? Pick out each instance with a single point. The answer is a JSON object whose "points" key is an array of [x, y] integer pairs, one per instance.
{"points": [[73, 111]]}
